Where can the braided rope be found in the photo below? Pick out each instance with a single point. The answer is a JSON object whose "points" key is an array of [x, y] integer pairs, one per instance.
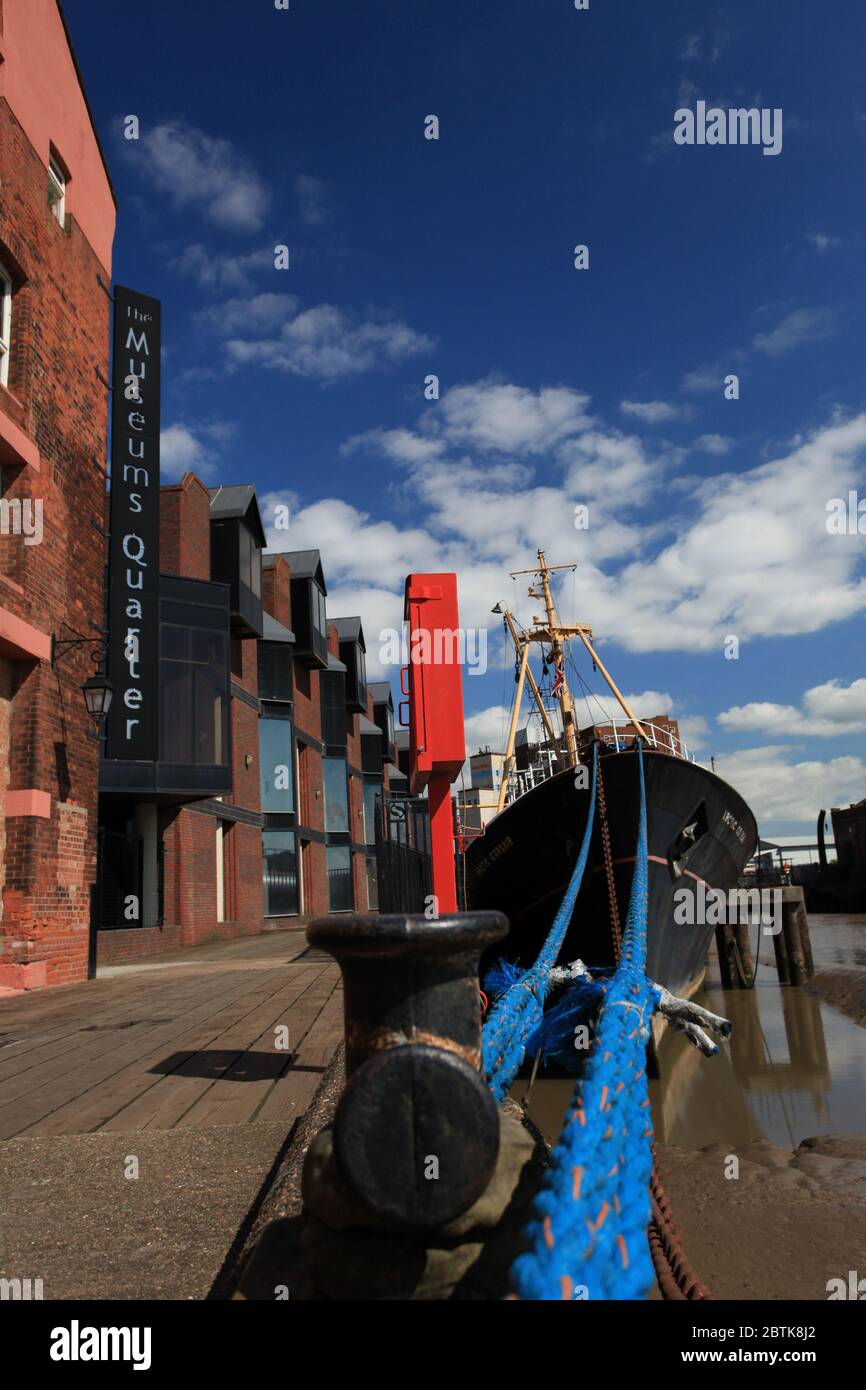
{"points": [[587, 1237], [519, 1010]]}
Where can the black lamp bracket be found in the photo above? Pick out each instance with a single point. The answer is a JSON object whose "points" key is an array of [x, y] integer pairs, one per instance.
{"points": [[61, 645]]}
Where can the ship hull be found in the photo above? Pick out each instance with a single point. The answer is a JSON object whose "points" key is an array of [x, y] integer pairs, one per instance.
{"points": [[523, 862]]}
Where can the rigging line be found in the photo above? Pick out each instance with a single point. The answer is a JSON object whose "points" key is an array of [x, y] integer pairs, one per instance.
{"points": [[589, 695]]}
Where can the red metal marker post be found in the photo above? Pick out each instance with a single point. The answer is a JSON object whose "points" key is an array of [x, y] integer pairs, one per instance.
{"points": [[437, 740]]}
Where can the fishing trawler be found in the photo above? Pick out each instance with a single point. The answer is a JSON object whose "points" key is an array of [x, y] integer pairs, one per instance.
{"points": [[698, 827]]}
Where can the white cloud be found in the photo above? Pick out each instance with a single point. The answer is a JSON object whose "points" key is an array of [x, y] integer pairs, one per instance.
{"points": [[222, 274], [796, 328], [644, 703], [202, 171], [691, 49], [328, 343], [258, 313], [717, 444], [312, 200], [745, 553], [487, 728], [401, 446], [781, 790], [694, 731], [829, 710], [654, 412], [821, 241], [193, 448], [710, 377], [492, 416]]}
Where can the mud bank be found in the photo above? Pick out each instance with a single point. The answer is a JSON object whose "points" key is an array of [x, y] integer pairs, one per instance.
{"points": [[845, 989], [786, 1226]]}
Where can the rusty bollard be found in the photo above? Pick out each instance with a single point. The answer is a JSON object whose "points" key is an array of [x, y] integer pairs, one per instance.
{"points": [[416, 1132]]}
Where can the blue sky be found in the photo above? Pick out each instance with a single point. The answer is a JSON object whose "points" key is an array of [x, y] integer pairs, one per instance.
{"points": [[558, 387]]}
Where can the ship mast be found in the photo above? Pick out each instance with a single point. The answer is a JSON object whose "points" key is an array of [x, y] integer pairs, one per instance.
{"points": [[556, 635]]}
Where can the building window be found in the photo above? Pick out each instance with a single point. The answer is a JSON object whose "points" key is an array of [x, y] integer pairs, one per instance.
{"points": [[371, 791], [193, 679], [341, 897], [275, 670], [250, 560], [332, 704], [276, 763], [319, 613], [336, 795], [57, 189], [5, 325], [280, 873], [362, 675]]}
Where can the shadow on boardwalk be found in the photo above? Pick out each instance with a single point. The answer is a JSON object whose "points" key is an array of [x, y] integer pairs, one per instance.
{"points": [[175, 1073]]}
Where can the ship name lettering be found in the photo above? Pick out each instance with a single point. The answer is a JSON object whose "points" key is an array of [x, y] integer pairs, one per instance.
{"points": [[732, 824]]}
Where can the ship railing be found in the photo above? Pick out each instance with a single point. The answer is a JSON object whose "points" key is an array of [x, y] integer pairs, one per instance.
{"points": [[622, 737], [659, 738], [520, 782]]}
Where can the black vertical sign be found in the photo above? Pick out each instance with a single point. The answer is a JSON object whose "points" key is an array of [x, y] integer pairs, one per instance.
{"points": [[133, 575]]}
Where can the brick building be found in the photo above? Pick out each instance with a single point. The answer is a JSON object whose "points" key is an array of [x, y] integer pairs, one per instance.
{"points": [[57, 215], [256, 806], [260, 809]]}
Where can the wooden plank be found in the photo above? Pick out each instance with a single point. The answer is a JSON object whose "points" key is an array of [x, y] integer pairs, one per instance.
{"points": [[75, 1033], [83, 1050], [162, 1106], [240, 1093], [48, 1095], [289, 1097], [92, 1110]]}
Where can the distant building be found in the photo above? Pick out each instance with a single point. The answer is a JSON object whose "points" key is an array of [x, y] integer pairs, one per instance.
{"points": [[478, 803], [849, 833]]}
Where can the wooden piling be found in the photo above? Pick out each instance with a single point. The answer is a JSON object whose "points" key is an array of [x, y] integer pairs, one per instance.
{"points": [[782, 967], [726, 947], [743, 957], [795, 929]]}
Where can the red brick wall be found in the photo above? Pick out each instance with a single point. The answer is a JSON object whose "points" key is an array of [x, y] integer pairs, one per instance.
{"points": [[190, 878], [277, 591], [60, 337], [129, 946], [184, 529], [245, 744]]}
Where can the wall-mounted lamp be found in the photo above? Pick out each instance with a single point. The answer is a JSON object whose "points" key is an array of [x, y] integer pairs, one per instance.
{"points": [[98, 693], [97, 690]]}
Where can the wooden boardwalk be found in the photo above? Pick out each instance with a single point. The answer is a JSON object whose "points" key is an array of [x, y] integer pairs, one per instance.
{"points": [[189, 1044]]}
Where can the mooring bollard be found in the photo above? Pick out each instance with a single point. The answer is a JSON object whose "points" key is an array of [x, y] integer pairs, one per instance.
{"points": [[416, 1132]]}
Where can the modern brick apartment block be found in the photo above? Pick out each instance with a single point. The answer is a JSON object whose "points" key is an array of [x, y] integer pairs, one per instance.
{"points": [[260, 811]]}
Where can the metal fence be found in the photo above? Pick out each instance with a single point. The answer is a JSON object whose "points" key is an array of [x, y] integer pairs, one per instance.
{"points": [[403, 860]]}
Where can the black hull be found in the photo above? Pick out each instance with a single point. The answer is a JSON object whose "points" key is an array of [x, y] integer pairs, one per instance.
{"points": [[522, 863]]}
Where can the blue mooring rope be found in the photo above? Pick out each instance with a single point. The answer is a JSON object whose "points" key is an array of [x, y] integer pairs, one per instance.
{"points": [[519, 1010], [587, 1234]]}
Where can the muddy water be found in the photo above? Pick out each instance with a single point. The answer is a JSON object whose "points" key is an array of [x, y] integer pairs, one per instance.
{"points": [[793, 1067]]}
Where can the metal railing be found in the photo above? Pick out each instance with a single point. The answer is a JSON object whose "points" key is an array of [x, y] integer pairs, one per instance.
{"points": [[660, 739]]}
